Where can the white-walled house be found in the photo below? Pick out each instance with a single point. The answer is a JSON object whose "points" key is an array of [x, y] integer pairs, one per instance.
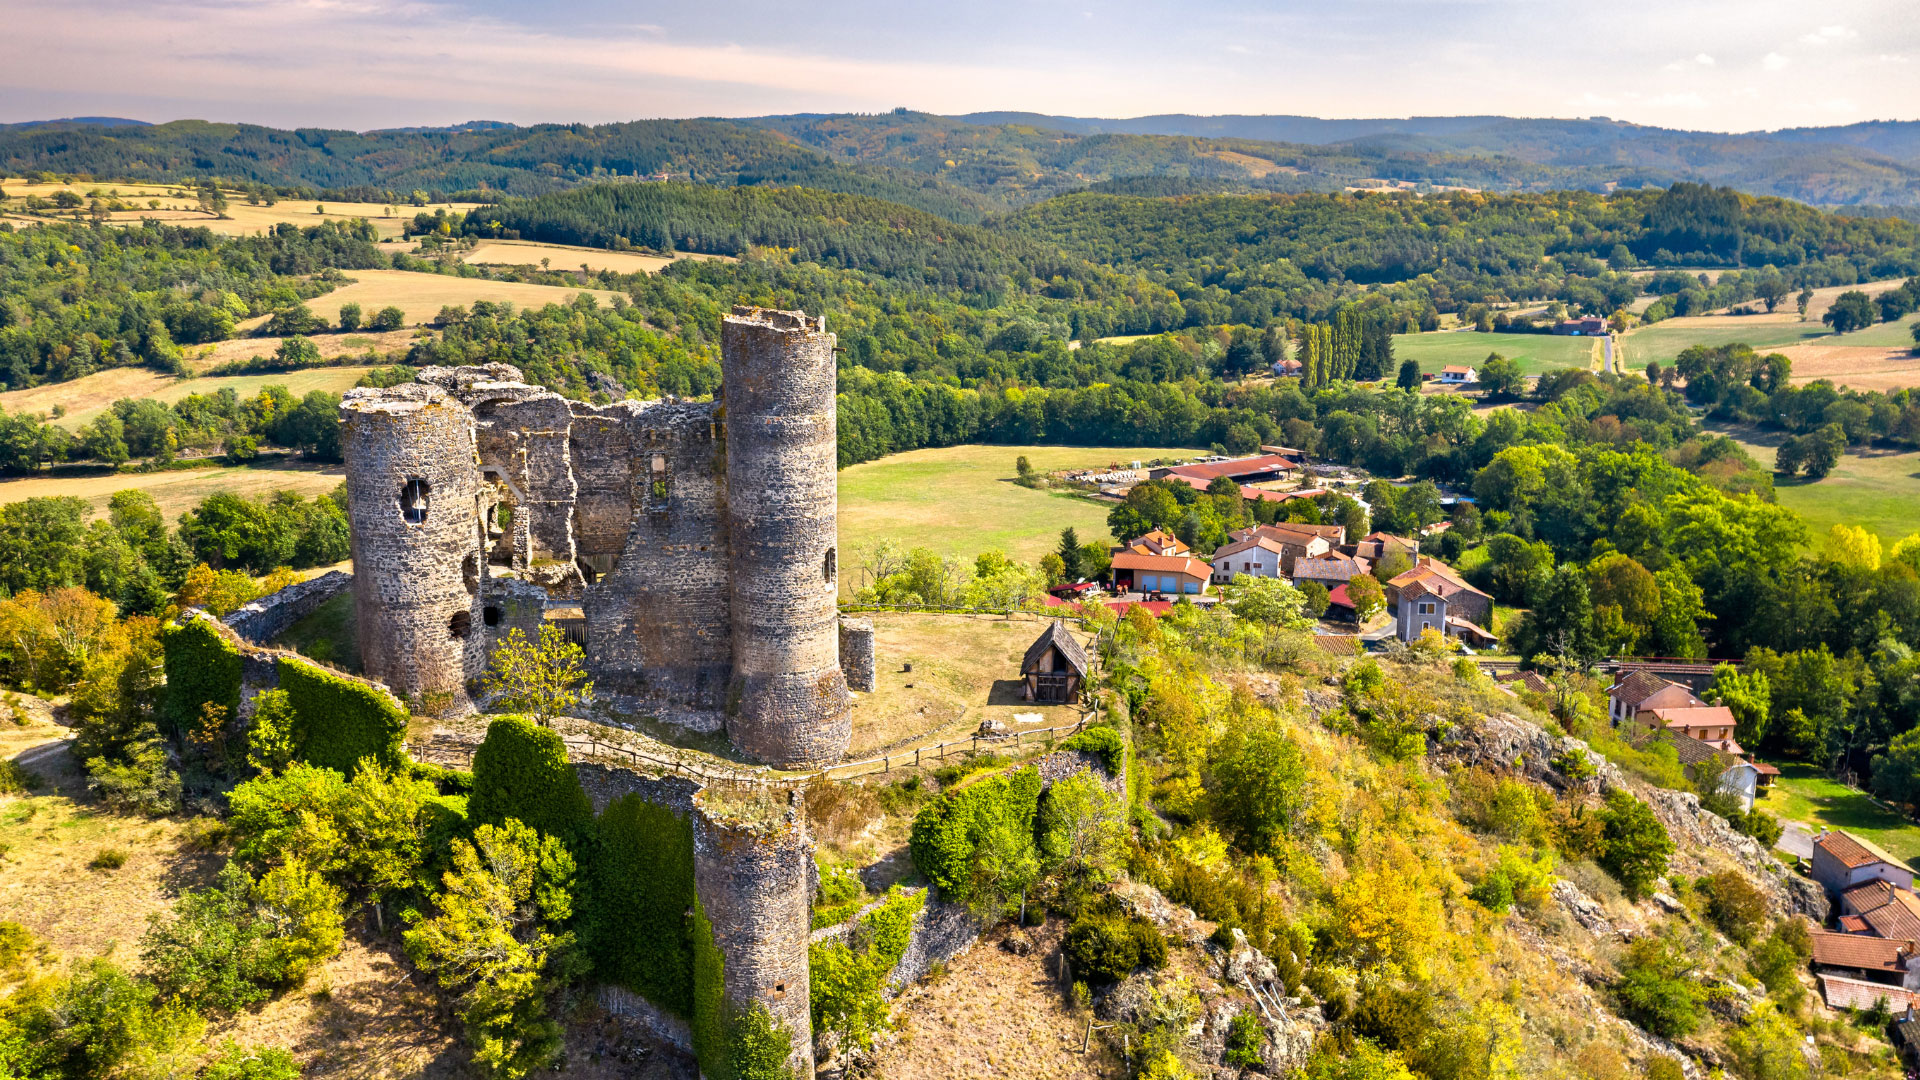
{"points": [[1842, 861]]}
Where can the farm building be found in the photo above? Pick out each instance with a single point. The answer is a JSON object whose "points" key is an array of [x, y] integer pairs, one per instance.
{"points": [[1246, 470], [1183, 575], [1055, 667], [1458, 375], [1842, 861], [1586, 326]]}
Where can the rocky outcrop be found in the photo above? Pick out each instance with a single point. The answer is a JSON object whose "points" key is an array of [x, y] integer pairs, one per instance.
{"points": [[1699, 833]]}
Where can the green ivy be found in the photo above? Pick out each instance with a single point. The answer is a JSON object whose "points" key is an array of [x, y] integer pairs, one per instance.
{"points": [[203, 667], [338, 722], [947, 831], [845, 988], [639, 933], [521, 772], [731, 1043], [1109, 744]]}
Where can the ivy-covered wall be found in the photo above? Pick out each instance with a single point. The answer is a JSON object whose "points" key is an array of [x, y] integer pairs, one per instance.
{"points": [[731, 1043], [203, 667], [338, 721], [641, 933]]}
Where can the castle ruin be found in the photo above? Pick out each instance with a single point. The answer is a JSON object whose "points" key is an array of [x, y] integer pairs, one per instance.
{"points": [[690, 548]]}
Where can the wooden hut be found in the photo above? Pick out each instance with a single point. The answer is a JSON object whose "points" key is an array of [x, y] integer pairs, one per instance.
{"points": [[1055, 667]]}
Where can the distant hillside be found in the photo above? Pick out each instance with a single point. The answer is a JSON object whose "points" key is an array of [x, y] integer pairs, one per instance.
{"points": [[75, 121], [1876, 162]]}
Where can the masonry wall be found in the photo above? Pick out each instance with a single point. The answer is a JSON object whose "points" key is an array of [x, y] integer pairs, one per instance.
{"points": [[416, 586], [753, 885], [527, 443], [268, 617], [856, 654], [658, 617], [788, 704]]}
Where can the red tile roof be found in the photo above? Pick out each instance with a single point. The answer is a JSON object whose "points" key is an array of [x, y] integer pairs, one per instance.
{"points": [[1637, 686], [1898, 919], [1845, 848], [1338, 644], [1695, 716], [1854, 924], [1237, 467], [1844, 993], [1437, 576], [1859, 951], [1162, 564], [1869, 896]]}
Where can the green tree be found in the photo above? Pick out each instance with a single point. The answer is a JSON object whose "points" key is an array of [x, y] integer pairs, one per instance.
{"points": [[349, 316], [1269, 601], [1500, 376], [1656, 990], [1258, 785], [387, 318], [542, 679], [500, 942], [1366, 596], [1072, 559], [1853, 310], [1635, 845], [1409, 376]]}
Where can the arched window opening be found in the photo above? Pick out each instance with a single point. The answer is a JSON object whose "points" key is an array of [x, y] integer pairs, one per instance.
{"points": [[460, 625], [490, 615], [830, 566], [413, 500], [470, 573]]}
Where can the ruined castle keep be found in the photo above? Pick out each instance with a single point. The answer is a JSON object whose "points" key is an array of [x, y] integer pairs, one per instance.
{"points": [[689, 547]]}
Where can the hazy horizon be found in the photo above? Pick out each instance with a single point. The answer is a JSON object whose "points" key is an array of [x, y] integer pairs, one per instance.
{"points": [[366, 64]]}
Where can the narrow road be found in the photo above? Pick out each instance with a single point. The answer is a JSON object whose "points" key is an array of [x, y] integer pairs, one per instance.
{"points": [[1796, 840]]}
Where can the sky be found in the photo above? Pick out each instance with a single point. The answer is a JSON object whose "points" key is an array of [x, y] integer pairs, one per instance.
{"points": [[1720, 65]]}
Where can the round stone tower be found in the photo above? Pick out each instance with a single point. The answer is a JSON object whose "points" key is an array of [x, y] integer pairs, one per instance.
{"points": [[413, 497], [788, 705]]}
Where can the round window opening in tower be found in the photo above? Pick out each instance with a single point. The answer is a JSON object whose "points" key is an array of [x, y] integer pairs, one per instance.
{"points": [[413, 500], [460, 625]]}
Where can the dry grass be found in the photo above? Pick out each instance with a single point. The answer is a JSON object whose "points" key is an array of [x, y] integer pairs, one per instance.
{"points": [[366, 1014], [966, 669], [422, 295], [46, 881], [176, 491], [1883, 369], [568, 257], [86, 398], [241, 218], [202, 357], [992, 1014]]}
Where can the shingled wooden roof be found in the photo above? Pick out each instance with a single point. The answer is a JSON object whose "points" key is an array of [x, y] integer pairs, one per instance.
{"points": [[1055, 636]]}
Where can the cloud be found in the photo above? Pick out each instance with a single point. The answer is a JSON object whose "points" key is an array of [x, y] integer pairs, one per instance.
{"points": [[1830, 35], [1773, 61], [1703, 59]]}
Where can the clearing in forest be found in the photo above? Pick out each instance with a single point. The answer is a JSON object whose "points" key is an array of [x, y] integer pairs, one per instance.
{"points": [[567, 257], [1877, 489], [87, 397], [1535, 353], [176, 490], [241, 218]]}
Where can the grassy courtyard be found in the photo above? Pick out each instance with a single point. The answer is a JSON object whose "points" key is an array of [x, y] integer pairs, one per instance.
{"points": [[1805, 794]]}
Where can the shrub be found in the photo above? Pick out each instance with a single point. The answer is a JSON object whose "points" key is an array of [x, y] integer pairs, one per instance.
{"points": [[847, 977], [1734, 905], [1515, 878], [1656, 992], [639, 934], [1259, 785], [229, 946], [1245, 1039], [1104, 947], [520, 772], [108, 859], [15, 778], [203, 668], [338, 722], [975, 843], [141, 782], [1083, 831], [1777, 959], [294, 815], [270, 742], [1108, 743], [1636, 845], [236, 1062]]}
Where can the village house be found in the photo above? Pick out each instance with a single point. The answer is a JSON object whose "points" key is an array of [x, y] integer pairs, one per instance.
{"points": [[1268, 550], [1585, 326], [1703, 761], [1856, 971], [1881, 909], [1376, 545], [1184, 575], [1842, 862], [1330, 569], [1458, 375], [1711, 724], [1055, 666], [1157, 542], [1288, 368], [1639, 689], [1299, 532], [1432, 595]]}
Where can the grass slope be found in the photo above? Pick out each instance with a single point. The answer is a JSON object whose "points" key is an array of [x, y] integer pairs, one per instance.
{"points": [[1876, 489], [179, 490], [1803, 793], [421, 296], [87, 397], [961, 500]]}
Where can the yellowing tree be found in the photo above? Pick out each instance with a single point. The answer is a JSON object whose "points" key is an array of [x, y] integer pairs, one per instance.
{"points": [[1388, 912], [1851, 545], [540, 679]]}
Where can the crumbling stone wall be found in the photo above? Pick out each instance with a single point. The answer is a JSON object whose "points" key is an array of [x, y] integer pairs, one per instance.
{"points": [[268, 617], [788, 705], [698, 539], [856, 654], [413, 497]]}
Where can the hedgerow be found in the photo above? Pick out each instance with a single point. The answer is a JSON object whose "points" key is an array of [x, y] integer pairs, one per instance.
{"points": [[203, 668], [948, 831], [1108, 743], [521, 772], [337, 722], [639, 934]]}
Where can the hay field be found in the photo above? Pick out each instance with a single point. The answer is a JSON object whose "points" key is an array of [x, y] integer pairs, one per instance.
{"points": [[961, 500], [177, 491], [1665, 340], [1535, 353], [241, 218], [200, 358], [568, 257], [422, 296], [88, 397], [1877, 489], [1883, 369]]}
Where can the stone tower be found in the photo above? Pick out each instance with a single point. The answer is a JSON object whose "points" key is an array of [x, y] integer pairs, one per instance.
{"points": [[788, 703], [413, 496]]}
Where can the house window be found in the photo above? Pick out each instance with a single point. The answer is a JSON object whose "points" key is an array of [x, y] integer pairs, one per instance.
{"points": [[413, 500], [1426, 607]]}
